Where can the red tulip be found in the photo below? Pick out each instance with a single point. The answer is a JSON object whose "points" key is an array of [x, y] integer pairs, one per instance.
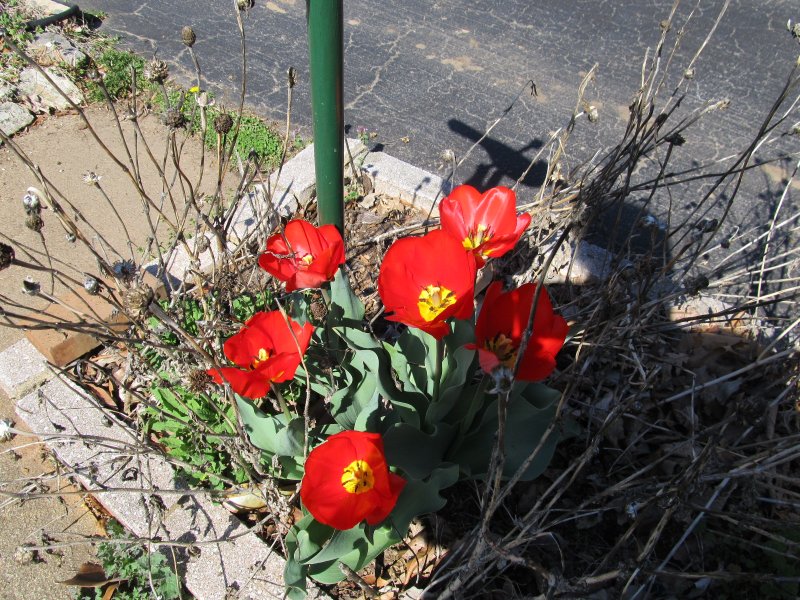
{"points": [[266, 350], [501, 324], [347, 480], [487, 224], [425, 280], [303, 256]]}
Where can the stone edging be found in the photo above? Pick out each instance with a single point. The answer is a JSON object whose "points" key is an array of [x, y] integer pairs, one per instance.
{"points": [[139, 488]]}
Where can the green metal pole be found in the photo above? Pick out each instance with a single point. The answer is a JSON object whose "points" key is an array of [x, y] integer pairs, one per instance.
{"points": [[324, 19]]}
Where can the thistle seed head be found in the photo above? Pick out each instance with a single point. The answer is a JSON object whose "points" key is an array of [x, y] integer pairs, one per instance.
{"points": [[34, 222], [91, 178], [6, 256], [91, 285], [223, 123], [137, 300], [31, 202], [188, 36], [156, 71], [198, 381], [174, 118]]}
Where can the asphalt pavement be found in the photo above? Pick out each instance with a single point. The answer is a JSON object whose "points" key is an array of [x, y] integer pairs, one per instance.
{"points": [[430, 76]]}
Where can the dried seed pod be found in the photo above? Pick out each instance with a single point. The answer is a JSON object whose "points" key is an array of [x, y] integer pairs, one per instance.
{"points": [[91, 178], [6, 256], [30, 287], [223, 123], [694, 285], [31, 202], [291, 76], [198, 381], [156, 71], [6, 433], [592, 114], [202, 244], [676, 139], [245, 4], [188, 36], [137, 300], [34, 221], [174, 118], [91, 285], [24, 556], [318, 310], [124, 270]]}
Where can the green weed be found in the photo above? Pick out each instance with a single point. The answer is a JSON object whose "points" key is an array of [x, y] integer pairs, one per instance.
{"points": [[12, 24], [145, 574], [116, 66], [182, 419], [193, 425]]}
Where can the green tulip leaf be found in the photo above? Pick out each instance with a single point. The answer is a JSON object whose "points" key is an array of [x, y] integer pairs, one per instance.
{"points": [[454, 389], [304, 540], [289, 441], [415, 452], [401, 367], [355, 404], [531, 409], [261, 428], [419, 350], [344, 303], [421, 497], [370, 355]]}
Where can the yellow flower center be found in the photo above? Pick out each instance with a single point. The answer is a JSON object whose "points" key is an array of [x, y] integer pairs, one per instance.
{"points": [[503, 348], [433, 300], [305, 261], [357, 477], [262, 355], [476, 238]]}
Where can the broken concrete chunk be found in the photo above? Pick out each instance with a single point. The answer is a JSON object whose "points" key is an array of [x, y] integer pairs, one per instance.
{"points": [[34, 86], [13, 117], [51, 48]]}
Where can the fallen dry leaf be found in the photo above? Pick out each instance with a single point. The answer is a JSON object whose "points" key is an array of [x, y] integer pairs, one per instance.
{"points": [[90, 575]]}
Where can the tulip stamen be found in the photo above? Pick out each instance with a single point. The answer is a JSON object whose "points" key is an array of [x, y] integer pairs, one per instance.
{"points": [[480, 235], [263, 354], [503, 348], [433, 300], [357, 477], [305, 261]]}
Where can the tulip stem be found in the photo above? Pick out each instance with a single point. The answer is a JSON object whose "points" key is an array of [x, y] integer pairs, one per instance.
{"points": [[437, 369], [282, 403]]}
